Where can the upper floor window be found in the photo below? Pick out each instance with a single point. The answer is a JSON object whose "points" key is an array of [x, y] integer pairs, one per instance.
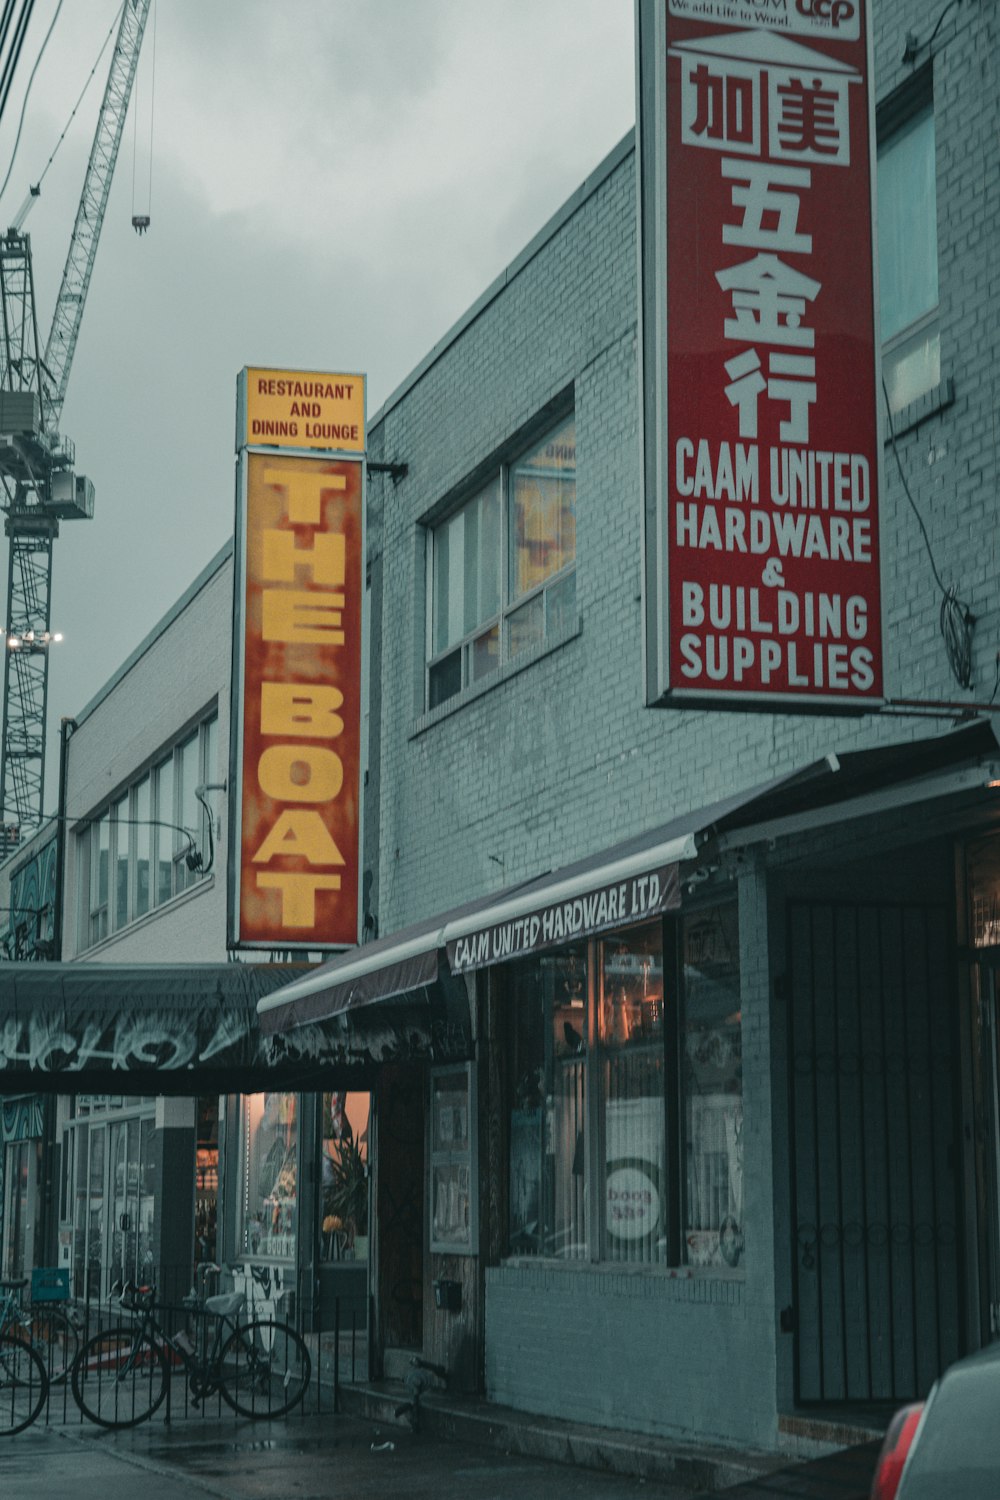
{"points": [[908, 262], [134, 853], [502, 570]]}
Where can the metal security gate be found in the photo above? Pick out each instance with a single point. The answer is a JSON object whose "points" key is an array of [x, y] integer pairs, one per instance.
{"points": [[872, 1043]]}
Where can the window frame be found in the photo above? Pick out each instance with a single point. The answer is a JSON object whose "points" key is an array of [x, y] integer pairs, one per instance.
{"points": [[98, 919], [897, 116], [500, 475]]}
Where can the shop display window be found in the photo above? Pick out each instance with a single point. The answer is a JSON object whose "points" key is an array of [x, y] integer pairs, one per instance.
{"points": [[548, 1199], [634, 1096], [269, 1161], [344, 1200], [626, 1090], [712, 1064]]}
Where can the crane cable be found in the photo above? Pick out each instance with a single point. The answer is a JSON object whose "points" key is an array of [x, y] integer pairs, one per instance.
{"points": [[14, 55], [140, 222], [35, 191]]}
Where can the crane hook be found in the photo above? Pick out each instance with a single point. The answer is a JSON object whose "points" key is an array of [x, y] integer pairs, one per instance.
{"points": [[140, 223]]}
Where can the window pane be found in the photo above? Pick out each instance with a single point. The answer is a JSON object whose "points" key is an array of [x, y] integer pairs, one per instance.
{"points": [[164, 830], [486, 653], [122, 832], [912, 367], [713, 1085], [560, 606], [907, 225], [548, 1211], [210, 772], [482, 558], [445, 678], [188, 806], [270, 1137], [466, 569], [100, 854], [143, 846], [635, 1176], [526, 626], [542, 514]]}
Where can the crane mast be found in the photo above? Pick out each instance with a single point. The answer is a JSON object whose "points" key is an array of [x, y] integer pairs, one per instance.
{"points": [[38, 485]]}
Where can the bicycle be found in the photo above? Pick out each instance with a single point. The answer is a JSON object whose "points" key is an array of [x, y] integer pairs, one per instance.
{"points": [[24, 1385], [121, 1375], [51, 1330]]}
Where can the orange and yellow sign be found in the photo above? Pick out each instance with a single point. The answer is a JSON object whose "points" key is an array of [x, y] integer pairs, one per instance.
{"points": [[297, 707], [302, 409]]}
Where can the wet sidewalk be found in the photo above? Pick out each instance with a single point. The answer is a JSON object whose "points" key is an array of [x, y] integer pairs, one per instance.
{"points": [[464, 1449]]}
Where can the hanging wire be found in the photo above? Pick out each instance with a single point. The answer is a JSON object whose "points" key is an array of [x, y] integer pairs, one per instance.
{"points": [[14, 55], [135, 136], [956, 618], [38, 185], [152, 112]]}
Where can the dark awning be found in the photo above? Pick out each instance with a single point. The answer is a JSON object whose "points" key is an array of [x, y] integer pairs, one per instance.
{"points": [[629, 882], [162, 1029]]}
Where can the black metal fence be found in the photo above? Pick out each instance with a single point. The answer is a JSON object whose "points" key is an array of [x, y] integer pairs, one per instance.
{"points": [[190, 1355]]}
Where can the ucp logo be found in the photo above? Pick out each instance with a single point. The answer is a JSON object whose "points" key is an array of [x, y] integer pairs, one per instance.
{"points": [[834, 11]]}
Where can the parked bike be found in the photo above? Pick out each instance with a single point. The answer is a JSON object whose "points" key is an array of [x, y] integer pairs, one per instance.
{"points": [[121, 1374], [24, 1385], [51, 1330]]}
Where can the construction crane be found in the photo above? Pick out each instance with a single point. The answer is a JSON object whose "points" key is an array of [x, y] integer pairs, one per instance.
{"points": [[40, 486]]}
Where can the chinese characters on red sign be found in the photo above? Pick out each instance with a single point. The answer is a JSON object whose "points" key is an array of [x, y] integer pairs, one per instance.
{"points": [[771, 465]]}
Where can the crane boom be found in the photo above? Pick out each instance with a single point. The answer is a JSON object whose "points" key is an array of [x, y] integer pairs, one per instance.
{"points": [[76, 275]]}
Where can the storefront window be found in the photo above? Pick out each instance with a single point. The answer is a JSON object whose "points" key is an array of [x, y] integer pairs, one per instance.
{"points": [[626, 1091], [632, 1040], [343, 1228], [269, 1163], [548, 1204], [712, 1064]]}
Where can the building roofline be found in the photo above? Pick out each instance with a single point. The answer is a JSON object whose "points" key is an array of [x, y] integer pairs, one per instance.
{"points": [[148, 641], [549, 230]]}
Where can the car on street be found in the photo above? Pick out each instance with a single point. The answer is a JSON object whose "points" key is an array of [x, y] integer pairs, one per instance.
{"points": [[948, 1445]]}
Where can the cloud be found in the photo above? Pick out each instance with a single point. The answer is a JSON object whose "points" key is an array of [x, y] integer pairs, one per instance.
{"points": [[332, 184]]}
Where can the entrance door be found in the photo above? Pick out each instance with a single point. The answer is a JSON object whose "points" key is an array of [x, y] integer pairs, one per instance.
{"points": [[873, 1041], [988, 1146]]}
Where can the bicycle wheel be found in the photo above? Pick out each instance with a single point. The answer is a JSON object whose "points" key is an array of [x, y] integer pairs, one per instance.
{"points": [[55, 1337], [264, 1370], [119, 1377], [24, 1385]]}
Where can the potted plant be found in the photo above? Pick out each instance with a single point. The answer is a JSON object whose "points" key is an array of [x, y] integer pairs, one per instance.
{"points": [[345, 1195]]}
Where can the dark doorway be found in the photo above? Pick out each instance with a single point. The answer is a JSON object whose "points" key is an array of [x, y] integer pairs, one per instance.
{"points": [[872, 1083], [399, 1195]]}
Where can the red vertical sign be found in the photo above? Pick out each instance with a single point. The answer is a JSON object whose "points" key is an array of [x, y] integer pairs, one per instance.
{"points": [[770, 470]]}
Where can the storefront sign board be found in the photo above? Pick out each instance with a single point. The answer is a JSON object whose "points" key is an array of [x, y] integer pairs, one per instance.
{"points": [[551, 925], [761, 451], [297, 711], [301, 409]]}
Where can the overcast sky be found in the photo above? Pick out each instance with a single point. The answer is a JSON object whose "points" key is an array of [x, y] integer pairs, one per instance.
{"points": [[331, 183]]}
